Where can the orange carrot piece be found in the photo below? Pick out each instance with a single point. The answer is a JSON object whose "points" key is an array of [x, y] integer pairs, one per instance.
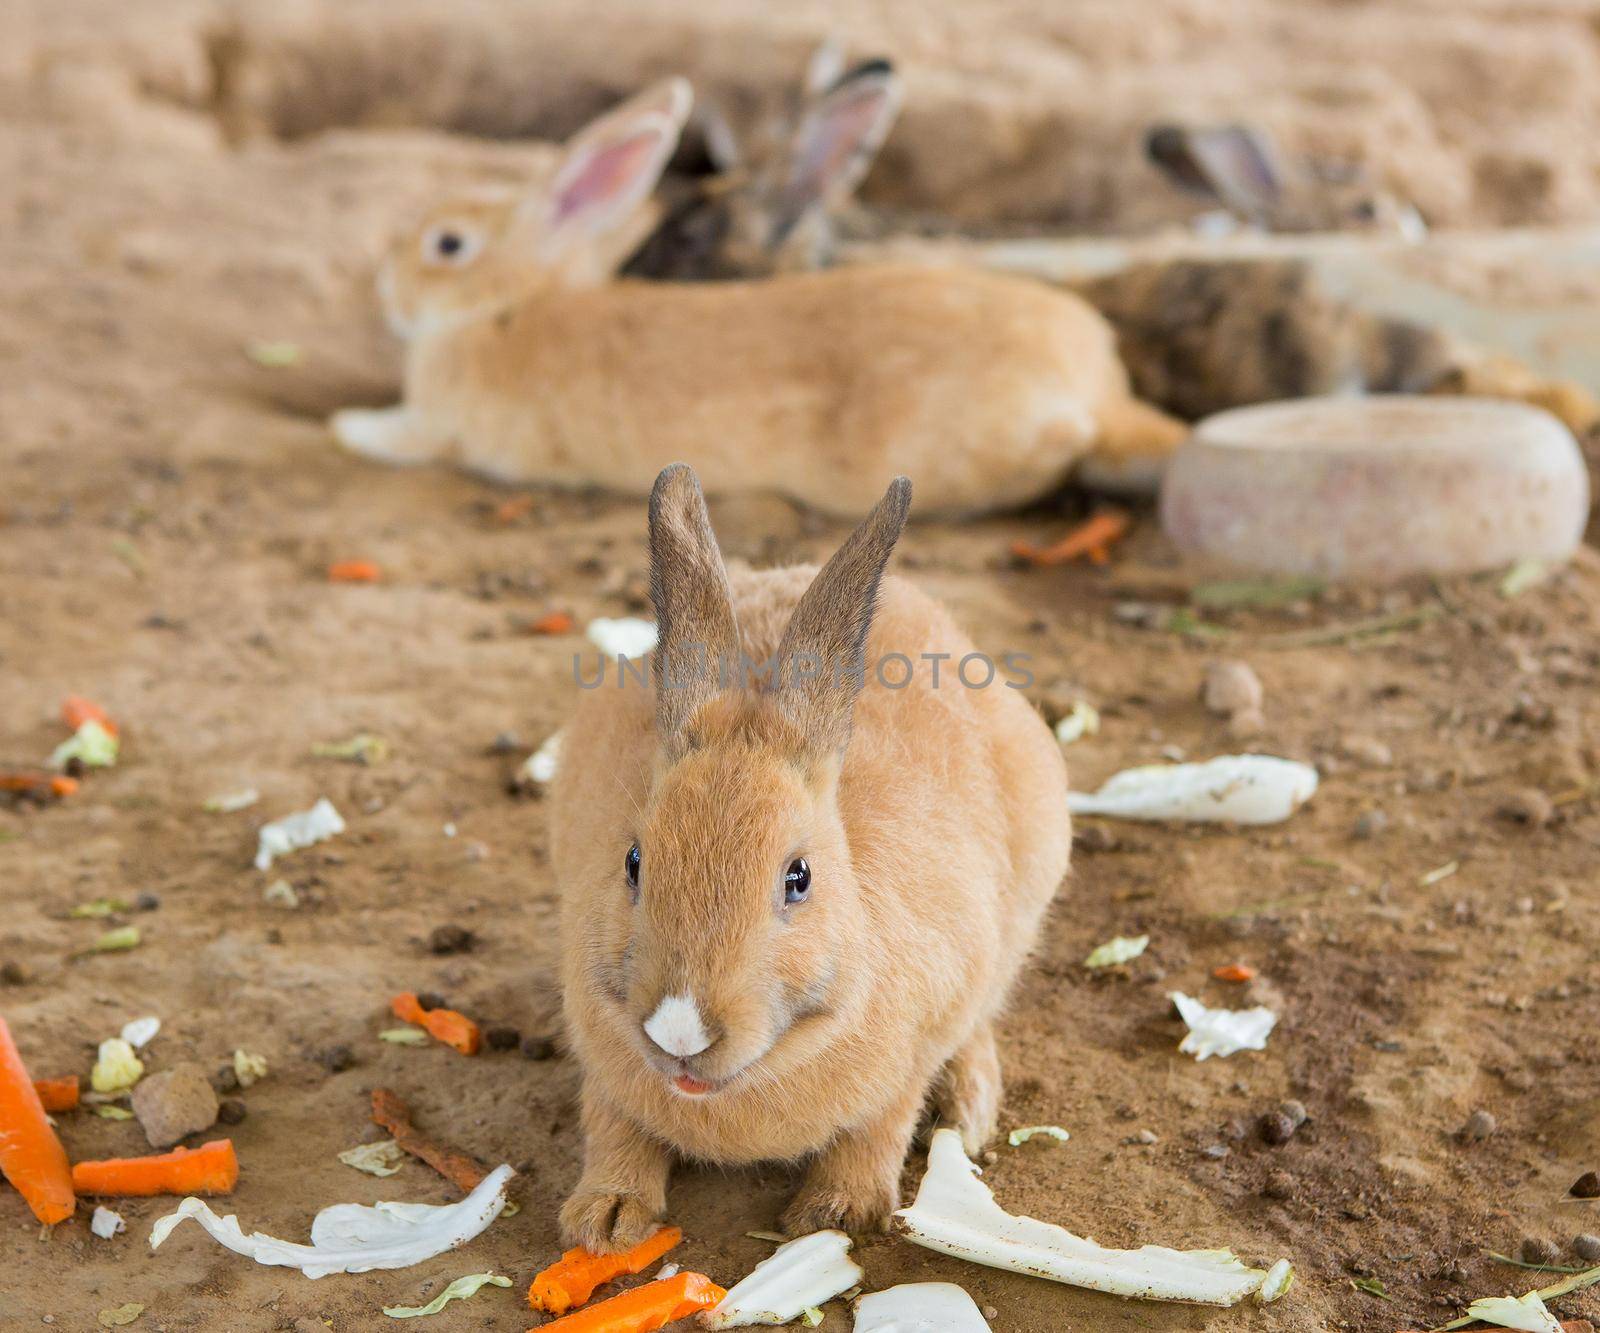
{"points": [[62, 785], [57, 1094], [1235, 972], [211, 1168], [444, 1025], [1092, 539], [556, 622], [571, 1280], [509, 511], [76, 710], [354, 571], [31, 1156], [394, 1115], [644, 1308], [37, 782]]}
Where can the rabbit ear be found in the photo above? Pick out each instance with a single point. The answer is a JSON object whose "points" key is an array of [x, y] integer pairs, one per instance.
{"points": [[610, 167], [820, 657], [837, 138], [698, 641], [1233, 164], [824, 68]]}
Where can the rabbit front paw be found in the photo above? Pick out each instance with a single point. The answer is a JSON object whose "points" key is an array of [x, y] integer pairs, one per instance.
{"points": [[603, 1221]]}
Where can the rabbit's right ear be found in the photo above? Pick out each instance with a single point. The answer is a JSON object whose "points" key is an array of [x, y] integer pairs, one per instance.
{"points": [[610, 167], [836, 140], [1233, 164], [698, 636]]}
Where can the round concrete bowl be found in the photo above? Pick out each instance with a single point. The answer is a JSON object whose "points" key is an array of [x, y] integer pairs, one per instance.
{"points": [[1376, 488]]}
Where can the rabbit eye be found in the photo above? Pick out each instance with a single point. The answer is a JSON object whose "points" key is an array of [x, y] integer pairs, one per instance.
{"points": [[630, 867], [797, 881], [450, 245]]}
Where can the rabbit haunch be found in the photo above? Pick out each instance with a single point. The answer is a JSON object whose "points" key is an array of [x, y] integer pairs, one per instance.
{"points": [[524, 364], [716, 1015]]}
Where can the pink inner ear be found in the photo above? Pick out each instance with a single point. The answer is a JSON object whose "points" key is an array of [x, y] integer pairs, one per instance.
{"points": [[603, 176]]}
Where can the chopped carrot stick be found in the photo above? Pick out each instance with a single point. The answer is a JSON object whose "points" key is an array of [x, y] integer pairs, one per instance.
{"points": [[354, 571], [571, 1280], [31, 1156], [1235, 972], [509, 511], [1092, 539], [57, 1094], [76, 710], [644, 1308], [37, 783], [211, 1168], [62, 785], [395, 1116], [556, 622], [444, 1025]]}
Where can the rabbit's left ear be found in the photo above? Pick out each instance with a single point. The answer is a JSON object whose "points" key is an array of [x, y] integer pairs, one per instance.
{"points": [[611, 166], [838, 136]]}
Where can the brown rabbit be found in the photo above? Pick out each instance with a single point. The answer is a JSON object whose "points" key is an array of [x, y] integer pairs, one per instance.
{"points": [[792, 903], [525, 365], [771, 207]]}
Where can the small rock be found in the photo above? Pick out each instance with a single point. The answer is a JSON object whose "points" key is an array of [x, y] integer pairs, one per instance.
{"points": [[231, 1111], [1586, 1245], [226, 1079], [1537, 1250], [1480, 1125], [1368, 751], [337, 1059], [1370, 824], [450, 939], [13, 973], [1215, 1151], [507, 742], [431, 999], [1586, 1186], [1093, 838], [1276, 1127], [1145, 1137], [538, 1048], [1528, 805], [503, 1038], [147, 902], [1229, 687], [1296, 1111], [1247, 722], [990, 1313], [173, 1103], [1279, 1185]]}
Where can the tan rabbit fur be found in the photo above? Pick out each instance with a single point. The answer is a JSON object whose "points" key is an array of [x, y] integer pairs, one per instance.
{"points": [[933, 822], [522, 365]]}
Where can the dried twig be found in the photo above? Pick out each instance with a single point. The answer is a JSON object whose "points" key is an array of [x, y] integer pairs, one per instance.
{"points": [[455, 1166]]}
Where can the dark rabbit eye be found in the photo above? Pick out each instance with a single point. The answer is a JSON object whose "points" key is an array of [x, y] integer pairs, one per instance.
{"points": [[450, 245], [630, 867], [797, 881]]}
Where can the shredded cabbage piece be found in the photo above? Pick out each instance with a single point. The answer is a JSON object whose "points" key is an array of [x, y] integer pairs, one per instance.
{"points": [[1018, 1137], [1222, 1031], [797, 1276], [116, 1068], [458, 1290], [383, 1158], [1121, 949], [919, 1307], [627, 636], [304, 828], [1231, 789]]}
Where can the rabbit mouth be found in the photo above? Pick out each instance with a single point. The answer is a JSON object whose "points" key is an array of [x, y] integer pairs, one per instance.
{"points": [[693, 1087]]}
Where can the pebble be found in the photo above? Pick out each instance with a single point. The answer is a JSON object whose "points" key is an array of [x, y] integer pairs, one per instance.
{"points": [[173, 1103], [990, 1313], [226, 1079], [1480, 1125], [538, 1048], [13, 973], [337, 1059], [1279, 1185], [1230, 686], [1586, 1186], [1276, 1127], [1368, 751], [1145, 1137], [1296, 1111], [507, 742], [1093, 838], [1586, 1245], [450, 939], [231, 1111], [503, 1038], [1370, 824], [1528, 805], [1215, 1151], [431, 999], [147, 902], [1537, 1250]]}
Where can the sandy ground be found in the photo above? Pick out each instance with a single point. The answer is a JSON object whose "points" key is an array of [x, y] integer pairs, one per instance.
{"points": [[167, 513]]}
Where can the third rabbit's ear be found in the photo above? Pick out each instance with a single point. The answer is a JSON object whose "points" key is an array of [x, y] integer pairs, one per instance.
{"points": [[1232, 164], [839, 135]]}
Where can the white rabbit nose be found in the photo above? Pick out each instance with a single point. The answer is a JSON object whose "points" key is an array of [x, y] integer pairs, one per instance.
{"points": [[676, 1027]]}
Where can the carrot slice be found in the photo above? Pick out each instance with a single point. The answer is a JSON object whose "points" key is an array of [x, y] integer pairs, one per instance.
{"points": [[571, 1280], [211, 1168], [76, 710], [354, 571], [444, 1025], [31, 1156], [57, 1094], [509, 511], [37, 783], [554, 622], [1092, 539], [644, 1308], [1235, 972]]}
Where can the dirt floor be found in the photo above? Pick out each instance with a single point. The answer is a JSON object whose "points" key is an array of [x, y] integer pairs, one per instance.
{"points": [[168, 509]]}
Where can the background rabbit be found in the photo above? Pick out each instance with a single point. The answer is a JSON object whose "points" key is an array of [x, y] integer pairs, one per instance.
{"points": [[776, 191], [523, 364], [791, 914]]}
